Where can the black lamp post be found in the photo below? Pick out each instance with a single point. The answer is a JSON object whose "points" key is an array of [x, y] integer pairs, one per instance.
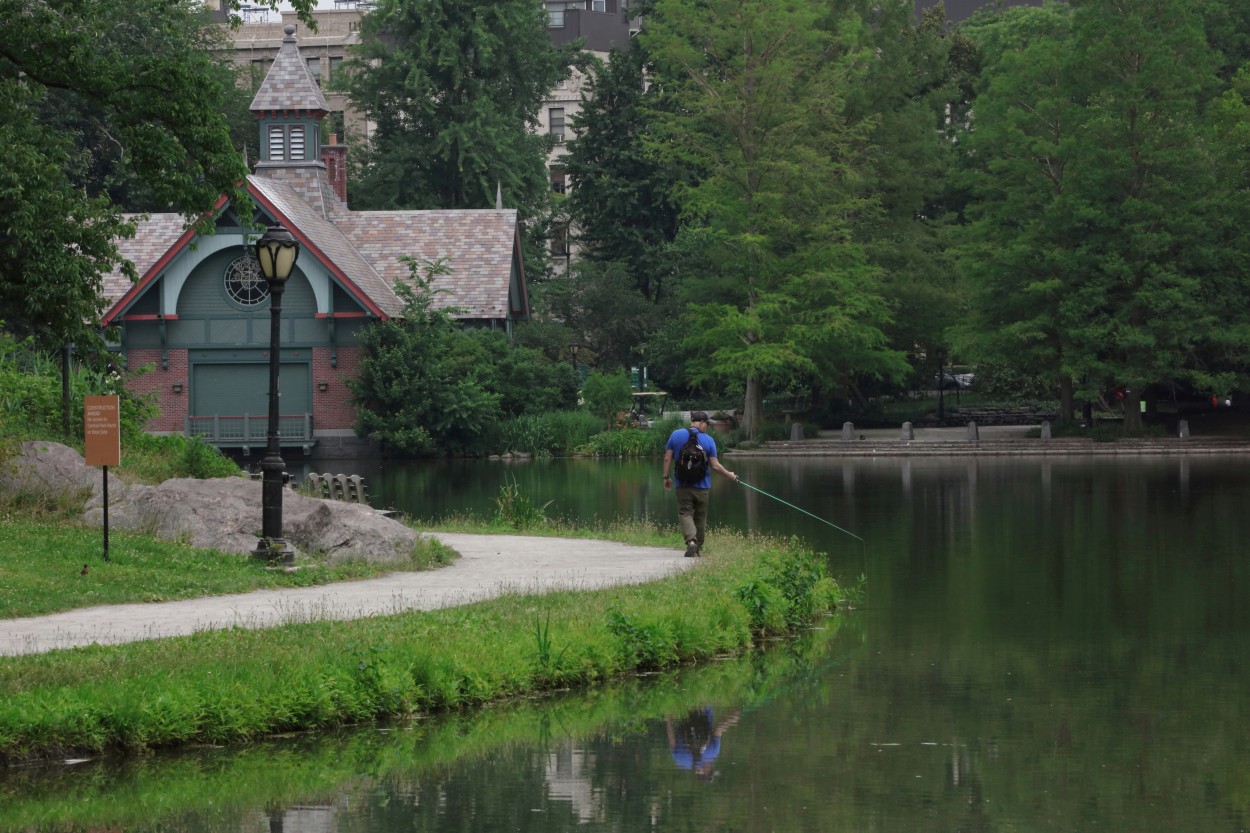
{"points": [[277, 251]]}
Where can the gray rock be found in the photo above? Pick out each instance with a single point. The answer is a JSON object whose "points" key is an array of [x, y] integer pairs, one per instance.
{"points": [[49, 470], [222, 514]]}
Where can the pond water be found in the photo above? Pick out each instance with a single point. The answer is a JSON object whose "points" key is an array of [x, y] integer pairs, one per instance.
{"points": [[1046, 644]]}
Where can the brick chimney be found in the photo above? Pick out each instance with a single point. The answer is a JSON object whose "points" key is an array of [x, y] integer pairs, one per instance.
{"points": [[334, 156]]}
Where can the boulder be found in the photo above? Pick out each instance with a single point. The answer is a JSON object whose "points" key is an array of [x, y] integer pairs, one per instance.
{"points": [[222, 514], [49, 471], [225, 514]]}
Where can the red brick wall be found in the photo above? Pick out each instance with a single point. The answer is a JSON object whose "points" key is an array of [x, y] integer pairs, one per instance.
{"points": [[173, 406], [332, 407]]}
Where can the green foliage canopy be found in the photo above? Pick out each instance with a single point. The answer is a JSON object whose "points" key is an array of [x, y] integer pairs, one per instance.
{"points": [[1102, 250], [620, 200], [87, 82], [776, 284], [427, 386], [454, 88], [606, 395]]}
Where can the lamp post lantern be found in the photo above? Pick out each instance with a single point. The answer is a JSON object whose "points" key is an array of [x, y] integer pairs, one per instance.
{"points": [[277, 251]]}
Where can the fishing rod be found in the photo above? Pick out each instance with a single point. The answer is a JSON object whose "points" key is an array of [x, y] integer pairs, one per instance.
{"points": [[804, 511]]}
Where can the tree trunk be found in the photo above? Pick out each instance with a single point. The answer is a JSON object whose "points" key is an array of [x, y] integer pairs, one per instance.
{"points": [[753, 407], [1065, 399]]}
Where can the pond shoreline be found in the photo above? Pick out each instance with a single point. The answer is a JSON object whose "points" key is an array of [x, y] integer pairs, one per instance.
{"points": [[994, 441]]}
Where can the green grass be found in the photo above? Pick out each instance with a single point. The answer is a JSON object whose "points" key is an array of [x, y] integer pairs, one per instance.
{"points": [[238, 685], [163, 792], [42, 561]]}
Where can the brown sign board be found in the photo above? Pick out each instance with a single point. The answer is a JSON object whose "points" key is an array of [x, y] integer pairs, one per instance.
{"points": [[102, 430]]}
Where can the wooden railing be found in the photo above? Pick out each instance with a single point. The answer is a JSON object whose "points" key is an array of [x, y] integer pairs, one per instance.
{"points": [[249, 431]]}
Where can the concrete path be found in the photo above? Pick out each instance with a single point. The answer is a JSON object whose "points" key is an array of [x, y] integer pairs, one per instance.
{"points": [[489, 566]]}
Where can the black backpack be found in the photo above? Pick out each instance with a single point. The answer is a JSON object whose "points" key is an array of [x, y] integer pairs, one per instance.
{"points": [[691, 460]]}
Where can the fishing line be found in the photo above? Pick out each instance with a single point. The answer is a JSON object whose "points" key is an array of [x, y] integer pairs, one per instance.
{"points": [[804, 511]]}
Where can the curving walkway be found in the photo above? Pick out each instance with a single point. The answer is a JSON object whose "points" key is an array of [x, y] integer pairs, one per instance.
{"points": [[489, 566]]}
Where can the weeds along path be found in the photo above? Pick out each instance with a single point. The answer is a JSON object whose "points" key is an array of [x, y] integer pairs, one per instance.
{"points": [[489, 566]]}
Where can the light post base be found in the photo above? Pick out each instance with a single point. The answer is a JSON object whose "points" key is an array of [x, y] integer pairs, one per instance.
{"points": [[274, 551]]}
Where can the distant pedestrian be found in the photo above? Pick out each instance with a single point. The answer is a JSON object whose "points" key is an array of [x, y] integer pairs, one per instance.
{"points": [[691, 455]]}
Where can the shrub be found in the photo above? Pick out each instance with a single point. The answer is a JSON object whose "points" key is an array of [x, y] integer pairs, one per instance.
{"points": [[154, 459], [631, 442], [607, 394], [33, 402], [515, 509]]}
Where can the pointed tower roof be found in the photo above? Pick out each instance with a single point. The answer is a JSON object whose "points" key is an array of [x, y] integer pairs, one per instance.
{"points": [[289, 86]]}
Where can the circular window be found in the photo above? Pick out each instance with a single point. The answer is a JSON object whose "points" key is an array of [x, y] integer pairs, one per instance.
{"points": [[245, 284]]}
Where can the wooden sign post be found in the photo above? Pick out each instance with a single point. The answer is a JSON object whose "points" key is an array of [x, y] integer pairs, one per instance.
{"points": [[102, 431]]}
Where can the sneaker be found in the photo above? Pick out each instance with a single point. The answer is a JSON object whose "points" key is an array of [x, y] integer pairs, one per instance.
{"points": [[692, 549]]}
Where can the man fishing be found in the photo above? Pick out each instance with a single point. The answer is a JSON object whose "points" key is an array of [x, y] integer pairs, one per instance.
{"points": [[691, 454]]}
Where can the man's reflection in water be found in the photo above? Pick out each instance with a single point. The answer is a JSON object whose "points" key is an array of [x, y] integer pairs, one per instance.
{"points": [[695, 739]]}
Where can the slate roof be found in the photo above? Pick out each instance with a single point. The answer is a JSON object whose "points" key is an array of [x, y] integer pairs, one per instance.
{"points": [[317, 232], [478, 246], [363, 249], [154, 236], [289, 85]]}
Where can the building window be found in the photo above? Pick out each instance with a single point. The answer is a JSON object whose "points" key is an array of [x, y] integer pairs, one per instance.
{"points": [[337, 79], [558, 182], [286, 143], [598, 5], [277, 143], [314, 69], [297, 142], [555, 18], [555, 121], [245, 285]]}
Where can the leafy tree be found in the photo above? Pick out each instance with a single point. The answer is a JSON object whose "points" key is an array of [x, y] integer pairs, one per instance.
{"points": [[82, 81], [775, 282], [1013, 255], [603, 310], [421, 387], [428, 386], [905, 97], [527, 382], [1102, 247], [453, 88], [619, 203], [607, 394]]}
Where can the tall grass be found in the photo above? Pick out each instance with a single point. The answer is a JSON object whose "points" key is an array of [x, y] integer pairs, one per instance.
{"points": [[555, 434], [515, 509], [32, 401]]}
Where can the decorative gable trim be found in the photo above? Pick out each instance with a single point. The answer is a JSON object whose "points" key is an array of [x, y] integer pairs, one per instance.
{"points": [[154, 271], [306, 243]]}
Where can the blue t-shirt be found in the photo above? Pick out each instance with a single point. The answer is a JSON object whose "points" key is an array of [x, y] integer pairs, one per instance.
{"points": [[677, 439], [688, 758]]}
